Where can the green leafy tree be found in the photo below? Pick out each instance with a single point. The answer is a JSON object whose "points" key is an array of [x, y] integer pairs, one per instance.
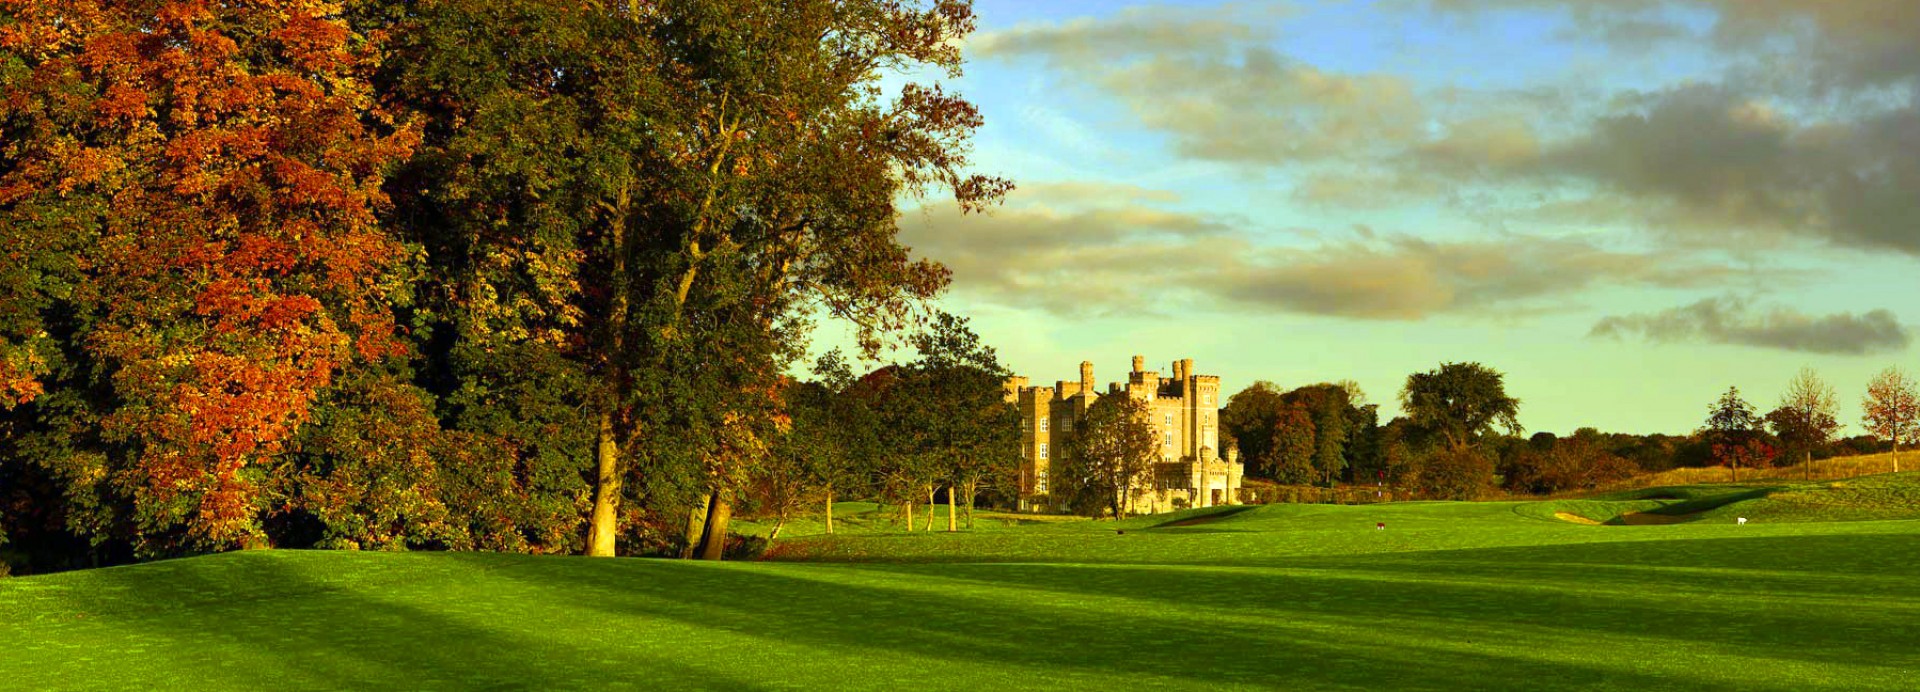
{"points": [[1250, 417], [1113, 449], [1331, 409], [1460, 403], [640, 184]]}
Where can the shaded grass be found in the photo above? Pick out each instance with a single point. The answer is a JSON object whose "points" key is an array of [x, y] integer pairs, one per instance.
{"points": [[1449, 595]]}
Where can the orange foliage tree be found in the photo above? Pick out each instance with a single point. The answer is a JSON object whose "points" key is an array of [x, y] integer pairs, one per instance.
{"points": [[221, 165]]}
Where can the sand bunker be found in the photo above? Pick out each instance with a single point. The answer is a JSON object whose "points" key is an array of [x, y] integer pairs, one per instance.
{"points": [[1575, 518]]}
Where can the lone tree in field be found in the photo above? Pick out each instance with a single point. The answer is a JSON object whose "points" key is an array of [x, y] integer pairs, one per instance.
{"points": [[1114, 447], [1892, 409], [1807, 416], [1733, 430], [1460, 403]]}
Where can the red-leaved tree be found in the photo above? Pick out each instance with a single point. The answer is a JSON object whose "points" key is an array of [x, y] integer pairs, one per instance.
{"points": [[224, 162]]}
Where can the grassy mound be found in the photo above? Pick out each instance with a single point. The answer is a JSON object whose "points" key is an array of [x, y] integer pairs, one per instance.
{"points": [[1881, 497], [1476, 596]]}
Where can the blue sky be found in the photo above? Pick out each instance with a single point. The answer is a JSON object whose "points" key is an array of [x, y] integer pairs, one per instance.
{"points": [[1627, 206]]}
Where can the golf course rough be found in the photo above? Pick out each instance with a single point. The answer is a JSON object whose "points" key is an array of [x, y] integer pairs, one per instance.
{"points": [[1448, 596]]}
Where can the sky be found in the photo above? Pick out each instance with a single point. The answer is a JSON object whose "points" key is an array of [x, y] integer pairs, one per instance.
{"points": [[1626, 206]]}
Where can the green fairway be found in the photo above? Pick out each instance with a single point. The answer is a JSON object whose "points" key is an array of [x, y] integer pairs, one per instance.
{"points": [[1449, 595]]}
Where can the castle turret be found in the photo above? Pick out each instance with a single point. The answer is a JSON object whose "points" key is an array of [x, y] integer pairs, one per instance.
{"points": [[1139, 363], [1086, 376]]}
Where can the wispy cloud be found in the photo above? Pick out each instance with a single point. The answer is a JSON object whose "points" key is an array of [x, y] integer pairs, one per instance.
{"points": [[1073, 256], [1733, 320]]}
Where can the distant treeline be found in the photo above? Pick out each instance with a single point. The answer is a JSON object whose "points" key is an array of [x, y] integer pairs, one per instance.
{"points": [[1460, 436]]}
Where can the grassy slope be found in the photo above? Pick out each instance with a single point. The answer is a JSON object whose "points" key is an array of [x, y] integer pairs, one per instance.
{"points": [[1449, 596]]}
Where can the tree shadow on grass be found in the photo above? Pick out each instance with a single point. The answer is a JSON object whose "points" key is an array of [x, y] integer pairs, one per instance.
{"points": [[864, 614], [270, 621], [1750, 613]]}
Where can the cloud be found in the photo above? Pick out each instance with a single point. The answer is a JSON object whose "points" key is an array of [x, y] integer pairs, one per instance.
{"points": [[1733, 320], [1130, 257], [1703, 159], [1399, 277], [1809, 134], [1211, 81]]}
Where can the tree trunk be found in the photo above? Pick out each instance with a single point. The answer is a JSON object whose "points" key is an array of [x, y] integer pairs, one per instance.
{"points": [[602, 527], [929, 507], [973, 490], [1809, 473], [777, 525], [696, 526], [829, 511], [953, 510], [603, 524], [908, 506], [714, 545]]}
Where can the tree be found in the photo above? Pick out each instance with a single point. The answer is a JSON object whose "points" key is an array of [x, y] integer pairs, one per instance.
{"points": [[1547, 464], [1331, 409], [1113, 448], [1291, 451], [1454, 473], [634, 184], [1807, 416], [1459, 403], [1732, 430], [1250, 417], [977, 429], [220, 164], [1891, 410]]}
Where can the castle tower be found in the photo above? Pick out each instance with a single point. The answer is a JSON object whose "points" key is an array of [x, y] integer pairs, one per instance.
{"points": [[1086, 376]]}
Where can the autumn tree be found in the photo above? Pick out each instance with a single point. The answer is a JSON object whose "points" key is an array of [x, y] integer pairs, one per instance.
{"points": [[1113, 448], [1806, 418], [222, 163], [1891, 410], [1733, 431], [1291, 448]]}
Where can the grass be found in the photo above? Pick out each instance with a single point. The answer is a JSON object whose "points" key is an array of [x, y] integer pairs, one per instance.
{"points": [[1821, 469], [1449, 596]]}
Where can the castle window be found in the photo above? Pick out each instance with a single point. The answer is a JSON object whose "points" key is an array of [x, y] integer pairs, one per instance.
{"points": [[1043, 450], [1023, 424], [1043, 425], [1169, 419], [1040, 483]]}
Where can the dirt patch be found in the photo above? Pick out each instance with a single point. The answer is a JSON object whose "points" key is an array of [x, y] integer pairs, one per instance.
{"points": [[1650, 519], [1575, 518]]}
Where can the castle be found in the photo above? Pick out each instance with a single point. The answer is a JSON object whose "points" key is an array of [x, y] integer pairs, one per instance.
{"points": [[1185, 409]]}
